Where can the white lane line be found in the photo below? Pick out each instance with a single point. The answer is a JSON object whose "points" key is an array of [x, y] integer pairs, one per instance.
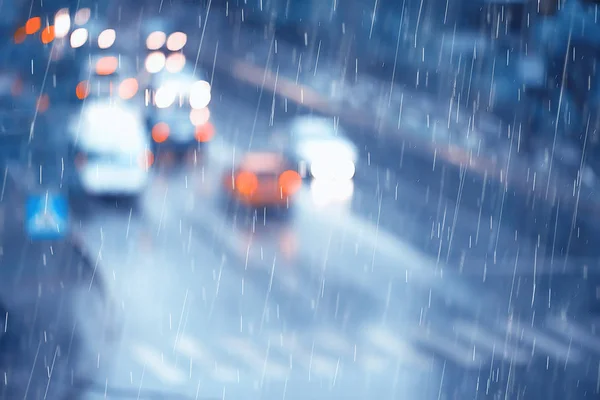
{"points": [[463, 355], [310, 357], [199, 354], [333, 342], [257, 360], [548, 345], [495, 344], [154, 361], [388, 343], [573, 331]]}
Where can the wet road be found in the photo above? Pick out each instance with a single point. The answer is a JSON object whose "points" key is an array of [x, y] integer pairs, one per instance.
{"points": [[355, 297], [338, 301]]}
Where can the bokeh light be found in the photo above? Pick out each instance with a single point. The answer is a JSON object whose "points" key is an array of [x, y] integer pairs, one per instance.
{"points": [[107, 38], [160, 132], [175, 63], [79, 37], [155, 62], [62, 23], [33, 25], [146, 159], [199, 116], [205, 133], [20, 35], [47, 35], [176, 41], [156, 40], [82, 16], [200, 94], [290, 182], [43, 103], [128, 88], [82, 90], [246, 183], [107, 66], [164, 97]]}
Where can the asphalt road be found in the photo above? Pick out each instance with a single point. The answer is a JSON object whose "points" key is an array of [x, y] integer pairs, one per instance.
{"points": [[350, 298], [339, 301]]}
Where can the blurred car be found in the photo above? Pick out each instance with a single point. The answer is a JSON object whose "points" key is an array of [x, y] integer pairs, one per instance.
{"points": [[262, 179], [110, 158], [179, 118], [318, 148]]}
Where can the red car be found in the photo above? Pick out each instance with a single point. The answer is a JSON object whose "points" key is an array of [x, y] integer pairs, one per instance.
{"points": [[262, 180]]}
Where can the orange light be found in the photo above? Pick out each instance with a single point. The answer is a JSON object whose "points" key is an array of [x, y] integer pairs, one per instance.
{"points": [[146, 160], [107, 65], [20, 35], [128, 88], [160, 132], [205, 133], [33, 25], [290, 182], [47, 34], [246, 183], [82, 90], [43, 103]]}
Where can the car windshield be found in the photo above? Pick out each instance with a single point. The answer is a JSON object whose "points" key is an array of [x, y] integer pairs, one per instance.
{"points": [[300, 199]]}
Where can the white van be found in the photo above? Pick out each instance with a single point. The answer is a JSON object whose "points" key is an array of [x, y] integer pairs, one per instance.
{"points": [[111, 149]]}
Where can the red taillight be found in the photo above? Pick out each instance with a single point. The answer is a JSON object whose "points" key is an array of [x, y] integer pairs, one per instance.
{"points": [[160, 132], [146, 159], [246, 183], [205, 132], [290, 182]]}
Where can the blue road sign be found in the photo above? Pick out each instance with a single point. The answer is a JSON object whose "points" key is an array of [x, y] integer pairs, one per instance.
{"points": [[47, 216]]}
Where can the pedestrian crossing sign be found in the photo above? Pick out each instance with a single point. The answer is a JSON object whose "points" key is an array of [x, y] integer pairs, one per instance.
{"points": [[46, 216]]}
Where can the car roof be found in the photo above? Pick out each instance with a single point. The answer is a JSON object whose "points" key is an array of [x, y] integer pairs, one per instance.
{"points": [[262, 162], [125, 132], [315, 126]]}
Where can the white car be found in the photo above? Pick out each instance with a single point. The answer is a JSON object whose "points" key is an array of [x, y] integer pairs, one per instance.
{"points": [[111, 148], [179, 116], [320, 148]]}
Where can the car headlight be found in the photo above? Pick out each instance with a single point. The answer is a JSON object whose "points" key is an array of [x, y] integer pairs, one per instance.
{"points": [[200, 94], [335, 169], [164, 97]]}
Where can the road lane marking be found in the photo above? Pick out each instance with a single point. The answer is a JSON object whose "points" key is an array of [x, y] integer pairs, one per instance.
{"points": [[334, 342], [543, 342], [199, 354], [309, 356], [154, 361], [388, 343], [573, 331], [492, 342], [255, 359], [450, 349]]}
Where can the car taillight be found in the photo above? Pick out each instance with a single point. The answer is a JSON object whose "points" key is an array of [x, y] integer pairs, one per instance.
{"points": [[246, 183], [205, 132], [146, 159], [160, 132], [290, 182]]}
